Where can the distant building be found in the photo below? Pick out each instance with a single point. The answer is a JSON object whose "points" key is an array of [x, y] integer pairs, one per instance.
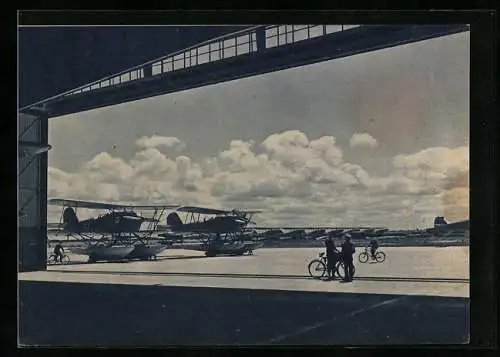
{"points": [[442, 227]]}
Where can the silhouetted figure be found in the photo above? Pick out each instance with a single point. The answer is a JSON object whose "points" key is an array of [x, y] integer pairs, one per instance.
{"points": [[58, 251], [373, 247], [331, 257], [348, 251]]}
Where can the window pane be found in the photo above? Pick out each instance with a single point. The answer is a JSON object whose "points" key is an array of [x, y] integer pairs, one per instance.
{"points": [[203, 49], [316, 31], [214, 56], [282, 39], [333, 28], [229, 52], [167, 66], [156, 69], [300, 35], [214, 46], [271, 31], [242, 39], [194, 59], [299, 27], [125, 77], [187, 62], [271, 42], [242, 49], [179, 64], [228, 43], [204, 58], [105, 83], [347, 27]]}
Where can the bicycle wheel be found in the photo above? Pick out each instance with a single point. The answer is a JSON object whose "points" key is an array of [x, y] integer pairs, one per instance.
{"points": [[317, 268], [65, 259], [363, 257], [340, 270], [380, 257], [51, 260]]}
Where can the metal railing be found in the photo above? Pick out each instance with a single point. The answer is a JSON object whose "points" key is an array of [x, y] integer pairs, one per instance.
{"points": [[211, 52], [279, 35], [231, 45], [226, 46]]}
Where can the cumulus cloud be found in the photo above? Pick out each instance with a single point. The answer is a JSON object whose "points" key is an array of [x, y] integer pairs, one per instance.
{"points": [[154, 141], [293, 178], [363, 140]]}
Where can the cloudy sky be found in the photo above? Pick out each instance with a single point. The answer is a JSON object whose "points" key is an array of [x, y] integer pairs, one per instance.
{"points": [[373, 139]]}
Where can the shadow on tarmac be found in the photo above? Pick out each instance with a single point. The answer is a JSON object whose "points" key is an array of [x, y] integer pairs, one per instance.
{"points": [[261, 276], [125, 261], [78, 314]]}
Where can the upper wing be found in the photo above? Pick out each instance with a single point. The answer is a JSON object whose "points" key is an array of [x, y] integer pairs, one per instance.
{"points": [[80, 203], [201, 210], [248, 211], [204, 210], [148, 207], [105, 205]]}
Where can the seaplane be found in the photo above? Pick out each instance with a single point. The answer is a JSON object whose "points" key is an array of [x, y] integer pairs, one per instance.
{"points": [[219, 232], [117, 234]]}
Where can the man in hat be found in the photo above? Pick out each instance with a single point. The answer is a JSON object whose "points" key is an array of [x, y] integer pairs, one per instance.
{"points": [[348, 251], [331, 257]]}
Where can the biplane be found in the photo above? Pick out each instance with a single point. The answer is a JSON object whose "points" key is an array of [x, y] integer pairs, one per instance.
{"points": [[223, 233], [117, 234]]}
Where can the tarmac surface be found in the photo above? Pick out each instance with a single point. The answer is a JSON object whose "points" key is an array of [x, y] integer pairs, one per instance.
{"points": [[418, 295]]}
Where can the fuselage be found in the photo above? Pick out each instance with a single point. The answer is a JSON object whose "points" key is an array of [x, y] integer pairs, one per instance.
{"points": [[219, 224], [113, 222]]}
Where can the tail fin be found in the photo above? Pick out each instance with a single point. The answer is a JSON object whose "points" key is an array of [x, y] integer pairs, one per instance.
{"points": [[440, 221], [174, 221], [70, 220]]}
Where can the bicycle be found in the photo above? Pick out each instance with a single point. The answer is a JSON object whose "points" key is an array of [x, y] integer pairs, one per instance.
{"points": [[52, 259], [318, 267], [365, 255]]}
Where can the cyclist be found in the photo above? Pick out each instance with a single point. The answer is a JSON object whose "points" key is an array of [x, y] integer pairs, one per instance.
{"points": [[373, 247], [58, 251]]}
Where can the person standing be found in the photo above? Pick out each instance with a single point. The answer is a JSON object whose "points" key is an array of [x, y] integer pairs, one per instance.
{"points": [[331, 257], [348, 251], [373, 248]]}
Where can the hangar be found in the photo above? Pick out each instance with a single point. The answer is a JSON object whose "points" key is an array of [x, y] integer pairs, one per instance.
{"points": [[212, 57]]}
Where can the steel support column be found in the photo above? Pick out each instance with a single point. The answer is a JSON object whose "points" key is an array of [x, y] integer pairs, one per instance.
{"points": [[32, 188]]}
